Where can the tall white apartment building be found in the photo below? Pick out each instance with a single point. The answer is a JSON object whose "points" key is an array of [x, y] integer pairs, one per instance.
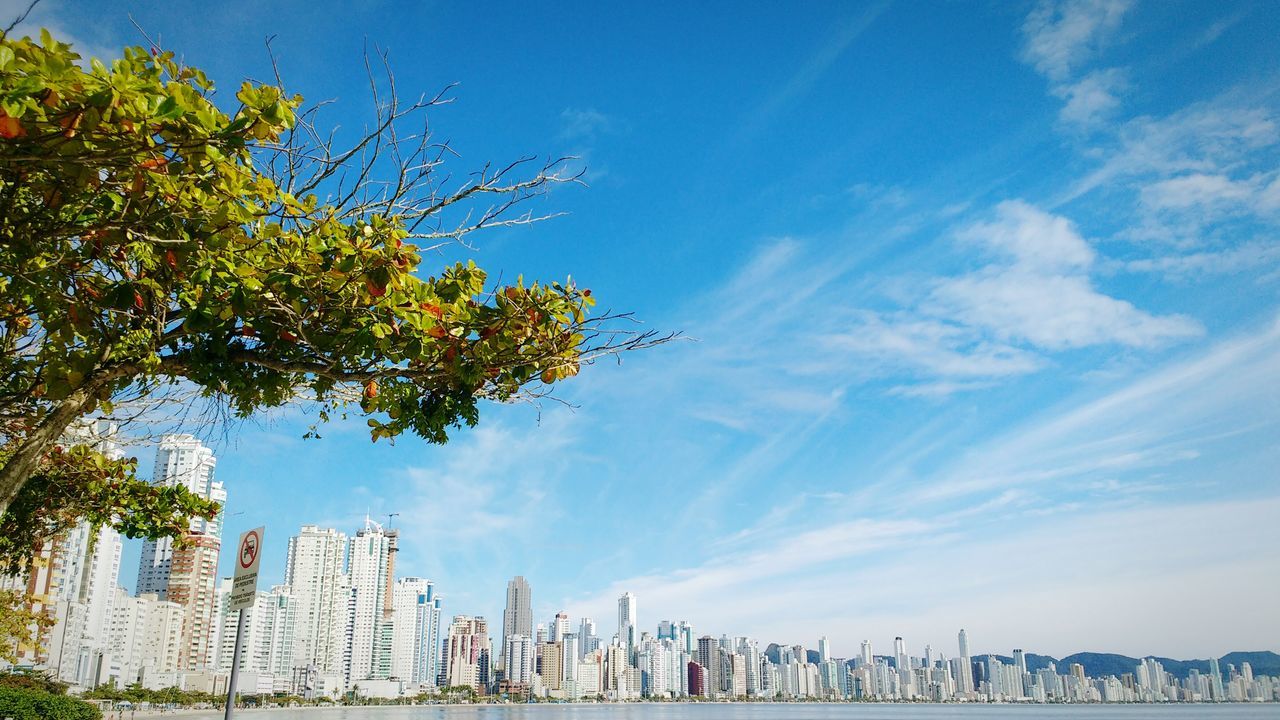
{"points": [[415, 622], [371, 570], [181, 460], [559, 627], [71, 580], [144, 637], [315, 573], [519, 659], [269, 633], [587, 640], [91, 568], [187, 575]]}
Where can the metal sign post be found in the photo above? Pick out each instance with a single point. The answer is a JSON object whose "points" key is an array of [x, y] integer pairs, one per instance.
{"points": [[244, 590]]}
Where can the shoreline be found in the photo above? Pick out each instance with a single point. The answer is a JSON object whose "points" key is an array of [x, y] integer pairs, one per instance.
{"points": [[215, 713]]}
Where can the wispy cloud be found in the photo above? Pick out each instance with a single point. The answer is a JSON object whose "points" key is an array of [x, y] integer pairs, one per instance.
{"points": [[1159, 420], [1091, 99], [1044, 296], [902, 557], [51, 15], [824, 56], [1208, 138], [584, 124], [1063, 35]]}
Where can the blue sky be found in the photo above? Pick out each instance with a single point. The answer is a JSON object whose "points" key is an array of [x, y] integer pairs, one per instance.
{"points": [[981, 299]]}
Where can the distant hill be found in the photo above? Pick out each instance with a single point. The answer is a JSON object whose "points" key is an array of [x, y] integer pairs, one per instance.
{"points": [[1034, 662], [1102, 664], [1263, 662]]}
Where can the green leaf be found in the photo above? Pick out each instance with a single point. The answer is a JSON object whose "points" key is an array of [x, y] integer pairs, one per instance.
{"points": [[169, 109]]}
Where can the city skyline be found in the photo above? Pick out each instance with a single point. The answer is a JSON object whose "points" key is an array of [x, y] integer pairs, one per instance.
{"points": [[347, 622], [984, 301]]}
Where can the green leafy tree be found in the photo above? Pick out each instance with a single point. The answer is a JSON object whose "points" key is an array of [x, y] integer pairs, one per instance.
{"points": [[21, 625], [154, 241], [21, 703]]}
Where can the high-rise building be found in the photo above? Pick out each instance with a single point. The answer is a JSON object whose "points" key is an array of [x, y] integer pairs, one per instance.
{"points": [[67, 583], [466, 652], [551, 665], [144, 637], [709, 660], [415, 631], [627, 634], [369, 621], [193, 572], [267, 643], [315, 573], [868, 658], [187, 574], [587, 640], [181, 460], [900, 654], [518, 667], [517, 618], [964, 680], [569, 657], [824, 650], [87, 562], [559, 627]]}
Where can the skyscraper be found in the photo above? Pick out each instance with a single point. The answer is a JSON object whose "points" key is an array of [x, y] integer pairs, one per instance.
{"points": [[466, 651], [627, 623], [369, 623], [867, 657], [181, 460], [315, 573], [519, 660], [587, 640], [824, 650], [965, 678], [709, 660], [559, 627], [415, 622], [900, 654], [187, 575], [517, 619]]}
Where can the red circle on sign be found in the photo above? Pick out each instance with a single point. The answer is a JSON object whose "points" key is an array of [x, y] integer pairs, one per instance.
{"points": [[249, 549]]}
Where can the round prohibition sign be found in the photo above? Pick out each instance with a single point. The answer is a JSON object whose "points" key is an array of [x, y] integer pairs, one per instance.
{"points": [[249, 549]]}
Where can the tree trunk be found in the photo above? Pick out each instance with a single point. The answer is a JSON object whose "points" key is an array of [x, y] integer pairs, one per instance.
{"points": [[22, 463]]}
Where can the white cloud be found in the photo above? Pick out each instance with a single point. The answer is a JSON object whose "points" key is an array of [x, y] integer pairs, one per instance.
{"points": [[1164, 418], [1207, 138], [584, 124], [1044, 296], [1054, 312], [49, 15], [913, 575], [1196, 190], [936, 348], [1034, 239], [1061, 36], [485, 487], [1091, 99]]}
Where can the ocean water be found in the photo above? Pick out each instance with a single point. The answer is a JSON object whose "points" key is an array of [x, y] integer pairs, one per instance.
{"points": [[770, 711]]}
